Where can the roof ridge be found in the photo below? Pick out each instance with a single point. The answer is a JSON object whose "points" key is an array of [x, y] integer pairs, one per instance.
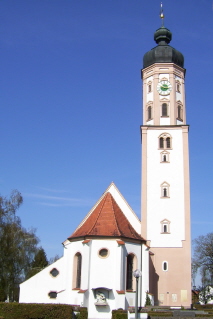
{"points": [[103, 202]]}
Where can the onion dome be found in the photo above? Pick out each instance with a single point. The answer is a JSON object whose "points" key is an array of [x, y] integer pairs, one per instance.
{"points": [[163, 53]]}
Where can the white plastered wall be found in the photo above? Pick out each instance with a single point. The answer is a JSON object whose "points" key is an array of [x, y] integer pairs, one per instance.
{"points": [[96, 272], [159, 208]]}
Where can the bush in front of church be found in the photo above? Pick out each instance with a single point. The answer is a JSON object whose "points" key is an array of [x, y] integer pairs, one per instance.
{"points": [[27, 311]]}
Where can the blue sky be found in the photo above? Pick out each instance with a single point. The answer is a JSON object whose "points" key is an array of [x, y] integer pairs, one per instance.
{"points": [[71, 105]]}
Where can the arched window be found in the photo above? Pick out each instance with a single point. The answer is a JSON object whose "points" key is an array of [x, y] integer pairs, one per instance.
{"points": [[164, 109], [129, 272], [130, 267], [168, 144], [178, 86], [161, 142], [165, 141], [149, 86], [149, 112], [77, 271], [180, 111]]}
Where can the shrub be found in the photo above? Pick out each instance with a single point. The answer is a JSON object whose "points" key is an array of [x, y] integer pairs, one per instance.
{"points": [[119, 314], [35, 311]]}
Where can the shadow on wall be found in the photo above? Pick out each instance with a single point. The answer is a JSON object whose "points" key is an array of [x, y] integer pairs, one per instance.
{"points": [[153, 280]]}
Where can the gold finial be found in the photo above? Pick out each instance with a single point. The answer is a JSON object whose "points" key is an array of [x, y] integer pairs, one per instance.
{"points": [[162, 14]]}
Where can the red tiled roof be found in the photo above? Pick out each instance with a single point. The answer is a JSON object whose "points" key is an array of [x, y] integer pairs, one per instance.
{"points": [[108, 220]]}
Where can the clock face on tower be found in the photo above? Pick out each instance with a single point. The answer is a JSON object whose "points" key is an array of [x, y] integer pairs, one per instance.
{"points": [[164, 87]]}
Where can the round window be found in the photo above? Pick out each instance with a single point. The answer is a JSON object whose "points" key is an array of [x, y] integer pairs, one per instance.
{"points": [[54, 272], [103, 253]]}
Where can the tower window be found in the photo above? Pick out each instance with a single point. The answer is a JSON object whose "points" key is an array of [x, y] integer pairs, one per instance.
{"points": [[168, 144], [164, 157], [178, 86], [180, 111], [165, 226], [149, 87], [165, 190], [149, 113], [164, 109], [165, 266], [165, 141], [161, 142]]}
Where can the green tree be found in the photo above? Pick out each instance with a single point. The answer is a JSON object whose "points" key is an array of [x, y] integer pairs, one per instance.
{"points": [[203, 257], [39, 262], [54, 259], [203, 262], [17, 247]]}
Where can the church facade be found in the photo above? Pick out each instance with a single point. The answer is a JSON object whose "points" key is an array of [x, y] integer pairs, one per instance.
{"points": [[96, 270]]}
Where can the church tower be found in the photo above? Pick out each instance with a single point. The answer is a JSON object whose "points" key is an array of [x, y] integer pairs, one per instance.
{"points": [[165, 173]]}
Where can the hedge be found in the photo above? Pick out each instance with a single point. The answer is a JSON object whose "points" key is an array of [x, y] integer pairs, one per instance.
{"points": [[119, 314], [36, 311]]}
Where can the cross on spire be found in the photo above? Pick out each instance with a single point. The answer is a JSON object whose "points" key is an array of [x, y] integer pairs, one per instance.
{"points": [[162, 14]]}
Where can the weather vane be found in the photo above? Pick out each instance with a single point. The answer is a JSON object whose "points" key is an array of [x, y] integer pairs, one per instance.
{"points": [[162, 14]]}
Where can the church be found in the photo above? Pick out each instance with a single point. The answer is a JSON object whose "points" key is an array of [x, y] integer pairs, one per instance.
{"points": [[101, 255]]}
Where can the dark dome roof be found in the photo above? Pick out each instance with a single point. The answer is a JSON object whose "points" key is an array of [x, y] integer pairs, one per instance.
{"points": [[163, 52]]}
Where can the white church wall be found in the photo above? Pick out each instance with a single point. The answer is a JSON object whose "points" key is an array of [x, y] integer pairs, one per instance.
{"points": [[36, 288], [172, 174], [105, 273]]}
